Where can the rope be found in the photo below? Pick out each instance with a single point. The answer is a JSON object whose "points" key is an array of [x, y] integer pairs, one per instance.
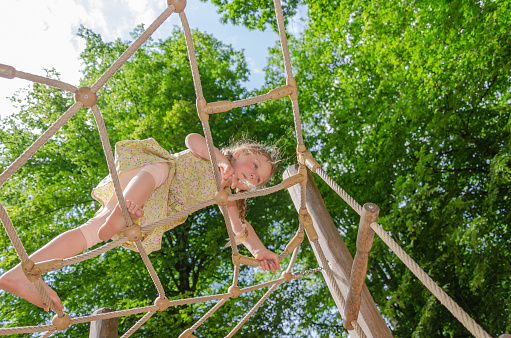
{"points": [[22, 254], [13, 235], [337, 291], [132, 49], [94, 253], [283, 38], [150, 268], [30, 151], [47, 334], [46, 298], [46, 81], [252, 311], [113, 314], [176, 216], [343, 194], [207, 315], [191, 56], [216, 171], [437, 291], [26, 329], [107, 149], [138, 324]]}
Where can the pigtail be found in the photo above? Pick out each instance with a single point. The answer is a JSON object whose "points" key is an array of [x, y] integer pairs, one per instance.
{"points": [[242, 207]]}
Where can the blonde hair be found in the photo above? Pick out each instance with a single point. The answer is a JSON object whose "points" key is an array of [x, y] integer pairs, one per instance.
{"points": [[248, 146]]}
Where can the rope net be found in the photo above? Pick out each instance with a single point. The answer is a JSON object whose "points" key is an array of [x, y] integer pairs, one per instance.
{"points": [[86, 97]]}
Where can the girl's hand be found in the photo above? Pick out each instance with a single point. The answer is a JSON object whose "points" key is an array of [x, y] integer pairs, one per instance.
{"points": [[227, 172], [269, 260]]}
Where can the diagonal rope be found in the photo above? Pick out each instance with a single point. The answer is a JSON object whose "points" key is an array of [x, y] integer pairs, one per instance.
{"points": [[437, 291], [207, 315], [138, 324], [252, 311], [343, 194], [47, 334], [132, 49], [13, 235], [30, 151]]}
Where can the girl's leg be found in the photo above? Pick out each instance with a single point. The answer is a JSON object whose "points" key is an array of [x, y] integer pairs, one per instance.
{"points": [[136, 193], [63, 246], [68, 245]]}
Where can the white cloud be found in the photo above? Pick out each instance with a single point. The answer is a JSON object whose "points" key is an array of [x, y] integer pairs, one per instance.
{"points": [[41, 34]]}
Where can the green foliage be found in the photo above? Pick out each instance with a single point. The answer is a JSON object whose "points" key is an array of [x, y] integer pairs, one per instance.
{"points": [[407, 106], [404, 103], [256, 14]]}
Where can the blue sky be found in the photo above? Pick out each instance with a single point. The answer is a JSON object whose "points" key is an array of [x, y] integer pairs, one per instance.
{"points": [[39, 34]]}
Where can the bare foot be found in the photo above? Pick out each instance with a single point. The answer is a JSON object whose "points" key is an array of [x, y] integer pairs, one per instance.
{"points": [[115, 222], [135, 211], [14, 281]]}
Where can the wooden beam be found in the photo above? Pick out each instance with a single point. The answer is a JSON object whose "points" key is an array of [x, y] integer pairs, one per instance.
{"points": [[339, 257], [105, 328]]}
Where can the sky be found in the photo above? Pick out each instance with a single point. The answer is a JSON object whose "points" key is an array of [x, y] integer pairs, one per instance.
{"points": [[38, 34]]}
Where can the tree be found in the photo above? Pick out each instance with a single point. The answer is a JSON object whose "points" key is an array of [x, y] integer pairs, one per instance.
{"points": [[407, 106]]}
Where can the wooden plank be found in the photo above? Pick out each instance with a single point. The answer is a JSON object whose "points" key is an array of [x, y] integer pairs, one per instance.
{"points": [[339, 257]]}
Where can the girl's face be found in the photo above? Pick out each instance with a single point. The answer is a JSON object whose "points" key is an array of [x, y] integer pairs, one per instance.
{"points": [[252, 168]]}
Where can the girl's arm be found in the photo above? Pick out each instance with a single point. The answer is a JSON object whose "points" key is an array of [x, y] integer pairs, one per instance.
{"points": [[197, 144], [269, 260]]}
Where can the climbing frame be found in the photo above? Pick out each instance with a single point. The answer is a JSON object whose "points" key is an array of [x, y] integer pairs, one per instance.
{"points": [[86, 97]]}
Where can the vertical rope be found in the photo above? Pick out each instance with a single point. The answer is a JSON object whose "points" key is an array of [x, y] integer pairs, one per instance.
{"points": [[150, 268], [293, 259], [303, 197], [287, 67], [337, 290], [111, 164], [437, 291], [216, 171], [298, 124], [283, 38], [236, 275], [191, 56]]}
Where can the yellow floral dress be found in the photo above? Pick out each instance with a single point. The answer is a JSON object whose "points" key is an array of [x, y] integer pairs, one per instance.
{"points": [[190, 181]]}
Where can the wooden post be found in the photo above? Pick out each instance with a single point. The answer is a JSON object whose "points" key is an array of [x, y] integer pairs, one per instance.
{"points": [[105, 328], [339, 257], [365, 238]]}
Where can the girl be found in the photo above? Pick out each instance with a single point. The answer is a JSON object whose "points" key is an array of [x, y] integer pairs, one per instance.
{"points": [[155, 185]]}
